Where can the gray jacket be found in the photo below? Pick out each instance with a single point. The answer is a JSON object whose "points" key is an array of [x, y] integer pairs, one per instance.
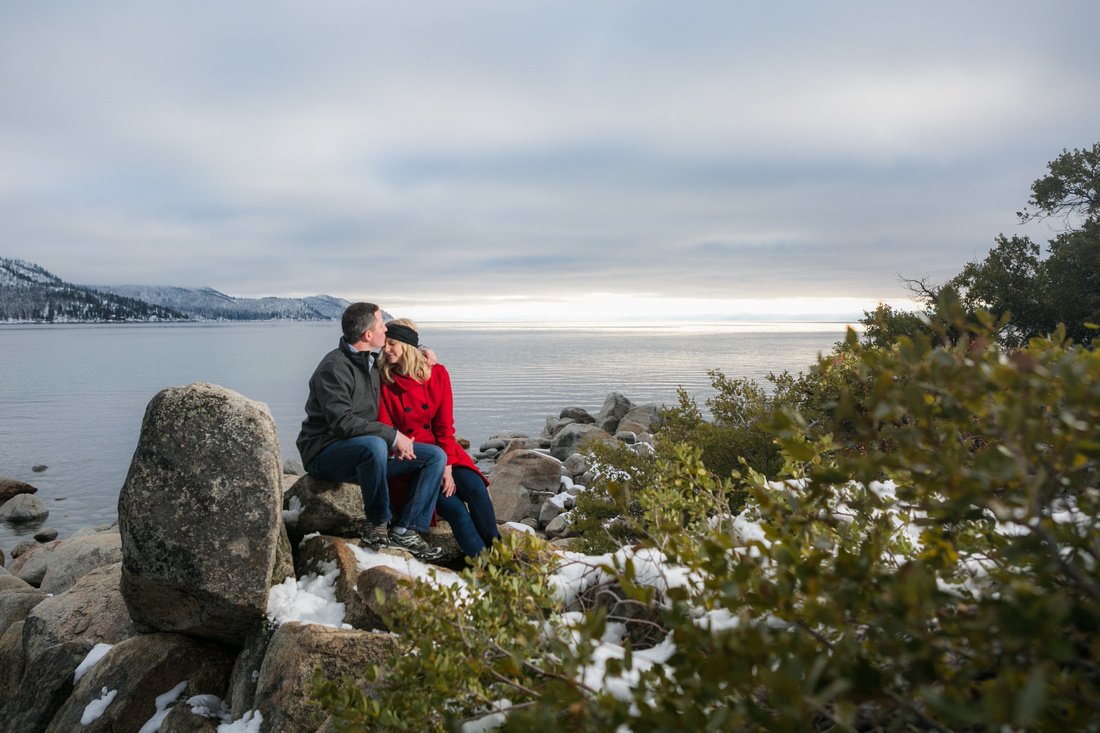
{"points": [[342, 403]]}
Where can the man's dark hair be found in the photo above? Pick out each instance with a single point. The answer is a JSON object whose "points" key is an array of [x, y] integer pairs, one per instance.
{"points": [[358, 317]]}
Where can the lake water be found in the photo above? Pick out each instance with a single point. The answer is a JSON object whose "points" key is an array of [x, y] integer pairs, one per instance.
{"points": [[72, 397]]}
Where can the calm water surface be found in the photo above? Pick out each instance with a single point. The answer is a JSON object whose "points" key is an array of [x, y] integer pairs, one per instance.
{"points": [[72, 397]]}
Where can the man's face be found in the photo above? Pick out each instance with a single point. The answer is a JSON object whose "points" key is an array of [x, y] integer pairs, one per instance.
{"points": [[376, 335]]}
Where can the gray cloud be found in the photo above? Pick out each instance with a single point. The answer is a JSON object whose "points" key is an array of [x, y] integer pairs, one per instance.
{"points": [[670, 150]]}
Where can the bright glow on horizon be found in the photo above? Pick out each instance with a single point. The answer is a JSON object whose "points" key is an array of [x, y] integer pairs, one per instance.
{"points": [[608, 307]]}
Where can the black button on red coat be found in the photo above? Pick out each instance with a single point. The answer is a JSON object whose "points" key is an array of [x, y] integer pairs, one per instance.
{"points": [[408, 409], [427, 426]]}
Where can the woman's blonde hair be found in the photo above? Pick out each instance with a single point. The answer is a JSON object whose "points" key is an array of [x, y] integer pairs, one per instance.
{"points": [[411, 363]]}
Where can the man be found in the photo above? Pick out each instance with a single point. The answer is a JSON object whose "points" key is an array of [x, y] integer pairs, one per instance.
{"points": [[342, 440]]}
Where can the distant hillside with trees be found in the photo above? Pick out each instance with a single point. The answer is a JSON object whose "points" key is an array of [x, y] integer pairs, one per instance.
{"points": [[31, 294], [210, 305], [28, 293]]}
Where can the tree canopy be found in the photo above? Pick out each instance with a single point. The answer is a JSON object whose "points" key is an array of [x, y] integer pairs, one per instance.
{"points": [[1037, 293]]}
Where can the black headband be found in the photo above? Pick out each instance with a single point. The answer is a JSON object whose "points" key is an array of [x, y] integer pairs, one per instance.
{"points": [[403, 334]]}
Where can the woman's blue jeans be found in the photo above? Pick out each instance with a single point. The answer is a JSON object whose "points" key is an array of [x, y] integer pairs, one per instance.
{"points": [[469, 511], [366, 459]]}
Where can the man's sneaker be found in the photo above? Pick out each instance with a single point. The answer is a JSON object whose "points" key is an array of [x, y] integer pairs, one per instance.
{"points": [[374, 534], [415, 544]]}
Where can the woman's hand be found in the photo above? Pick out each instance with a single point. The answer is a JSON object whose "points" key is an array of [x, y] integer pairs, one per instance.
{"points": [[448, 482]]}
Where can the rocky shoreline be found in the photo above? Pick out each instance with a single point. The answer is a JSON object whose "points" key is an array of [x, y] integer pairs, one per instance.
{"points": [[165, 615]]}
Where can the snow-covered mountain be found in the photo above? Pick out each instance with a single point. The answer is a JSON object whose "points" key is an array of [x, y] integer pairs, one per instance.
{"points": [[209, 304]]}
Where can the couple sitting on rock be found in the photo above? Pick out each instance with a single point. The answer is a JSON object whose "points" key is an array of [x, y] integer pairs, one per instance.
{"points": [[371, 417]]}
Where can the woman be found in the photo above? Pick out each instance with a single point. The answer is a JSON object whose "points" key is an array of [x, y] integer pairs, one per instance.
{"points": [[416, 399]]}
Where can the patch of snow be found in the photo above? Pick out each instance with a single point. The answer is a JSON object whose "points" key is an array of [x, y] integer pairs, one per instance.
{"points": [[290, 516], [249, 723], [368, 558], [310, 599], [559, 500], [210, 706], [96, 707], [520, 527], [98, 652], [162, 704], [490, 721]]}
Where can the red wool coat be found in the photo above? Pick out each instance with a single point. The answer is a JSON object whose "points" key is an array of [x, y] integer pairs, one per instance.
{"points": [[425, 413]]}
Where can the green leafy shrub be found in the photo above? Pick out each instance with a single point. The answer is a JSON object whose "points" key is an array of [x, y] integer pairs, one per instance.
{"points": [[608, 515], [944, 577], [467, 647]]}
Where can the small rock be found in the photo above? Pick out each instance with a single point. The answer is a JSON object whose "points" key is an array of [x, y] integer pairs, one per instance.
{"points": [[24, 508], [463, 442], [615, 407], [74, 558], [46, 534], [511, 447], [494, 444], [626, 436], [293, 468], [548, 513], [576, 464], [568, 441], [578, 414], [9, 488], [559, 527], [509, 435], [39, 468], [554, 425], [642, 419], [22, 547]]}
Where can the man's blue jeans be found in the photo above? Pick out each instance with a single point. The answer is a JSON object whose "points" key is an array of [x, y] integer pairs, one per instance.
{"points": [[365, 459], [469, 511]]}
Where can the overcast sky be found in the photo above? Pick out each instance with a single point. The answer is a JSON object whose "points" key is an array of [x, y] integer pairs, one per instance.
{"points": [[446, 159]]}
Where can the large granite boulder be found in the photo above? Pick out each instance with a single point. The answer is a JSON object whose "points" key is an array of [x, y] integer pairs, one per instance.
{"points": [[521, 481], [71, 559], [200, 514], [615, 407], [137, 671], [23, 508], [9, 487], [286, 676], [568, 441], [314, 505], [56, 637]]}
